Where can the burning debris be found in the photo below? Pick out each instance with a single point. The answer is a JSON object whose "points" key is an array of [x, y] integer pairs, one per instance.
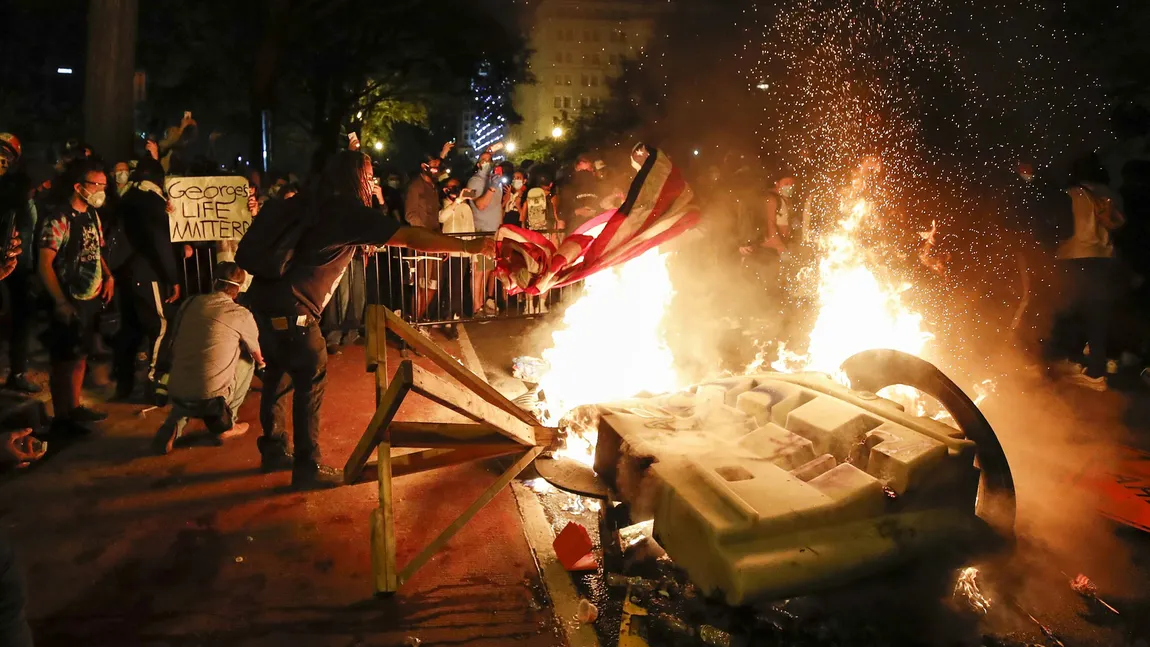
{"points": [[966, 588], [1083, 586]]}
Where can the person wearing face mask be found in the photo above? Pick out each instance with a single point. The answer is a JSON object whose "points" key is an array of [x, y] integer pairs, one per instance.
{"points": [[75, 275], [150, 277], [487, 209], [123, 174], [457, 218], [579, 197], [392, 202], [422, 207], [515, 200], [339, 221]]}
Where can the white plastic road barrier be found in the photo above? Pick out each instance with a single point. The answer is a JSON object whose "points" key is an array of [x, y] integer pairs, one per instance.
{"points": [[774, 485]]}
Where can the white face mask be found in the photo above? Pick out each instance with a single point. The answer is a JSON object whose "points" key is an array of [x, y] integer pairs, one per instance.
{"points": [[484, 165], [122, 177], [393, 184], [518, 184], [96, 199]]}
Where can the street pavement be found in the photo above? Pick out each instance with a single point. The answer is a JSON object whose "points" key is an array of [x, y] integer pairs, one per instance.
{"points": [[122, 547]]}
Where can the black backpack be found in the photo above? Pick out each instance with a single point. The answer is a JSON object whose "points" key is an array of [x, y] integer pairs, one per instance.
{"points": [[268, 246]]}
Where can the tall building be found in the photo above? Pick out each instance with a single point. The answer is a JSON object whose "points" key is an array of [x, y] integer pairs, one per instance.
{"points": [[484, 120], [578, 45]]}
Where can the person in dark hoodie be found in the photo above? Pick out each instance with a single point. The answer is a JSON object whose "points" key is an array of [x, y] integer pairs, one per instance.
{"points": [[150, 277]]}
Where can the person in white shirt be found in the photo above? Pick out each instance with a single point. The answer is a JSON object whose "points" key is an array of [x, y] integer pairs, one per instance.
{"points": [[1086, 260], [457, 217]]}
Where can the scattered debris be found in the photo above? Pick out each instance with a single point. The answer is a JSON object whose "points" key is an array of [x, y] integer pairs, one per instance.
{"points": [[967, 587], [573, 547], [540, 485], [574, 505], [714, 636], [587, 612], [634, 581], [1083, 586], [239, 560], [412, 641], [529, 369], [142, 413], [636, 534], [1046, 631]]}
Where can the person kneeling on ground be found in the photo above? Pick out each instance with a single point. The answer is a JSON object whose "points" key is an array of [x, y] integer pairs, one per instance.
{"points": [[210, 374]]}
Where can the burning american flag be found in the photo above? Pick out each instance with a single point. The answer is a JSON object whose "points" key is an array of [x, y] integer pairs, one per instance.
{"points": [[659, 206]]}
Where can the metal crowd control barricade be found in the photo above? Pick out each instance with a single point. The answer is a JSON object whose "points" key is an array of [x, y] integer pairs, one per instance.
{"points": [[434, 289], [499, 428]]}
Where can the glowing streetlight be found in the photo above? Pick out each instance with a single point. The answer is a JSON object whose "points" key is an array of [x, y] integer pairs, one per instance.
{"points": [[378, 146], [510, 147], [359, 115], [557, 132], [696, 152], [63, 70]]}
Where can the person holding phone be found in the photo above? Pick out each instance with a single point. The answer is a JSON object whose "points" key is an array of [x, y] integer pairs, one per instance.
{"points": [[487, 207], [76, 276]]}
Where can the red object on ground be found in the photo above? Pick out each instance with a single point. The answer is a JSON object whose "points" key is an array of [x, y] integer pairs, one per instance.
{"points": [[573, 546], [1123, 488]]}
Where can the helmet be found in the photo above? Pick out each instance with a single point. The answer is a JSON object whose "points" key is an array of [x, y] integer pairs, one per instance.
{"points": [[10, 146]]}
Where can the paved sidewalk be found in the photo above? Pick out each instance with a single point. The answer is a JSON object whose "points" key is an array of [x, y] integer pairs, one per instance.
{"points": [[199, 548]]}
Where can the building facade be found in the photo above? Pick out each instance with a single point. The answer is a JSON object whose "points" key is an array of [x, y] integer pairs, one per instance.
{"points": [[578, 46]]}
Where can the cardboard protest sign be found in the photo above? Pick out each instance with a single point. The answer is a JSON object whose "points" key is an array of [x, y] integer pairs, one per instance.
{"points": [[208, 208]]}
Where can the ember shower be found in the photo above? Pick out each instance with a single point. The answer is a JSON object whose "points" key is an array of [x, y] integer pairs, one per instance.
{"points": [[944, 97]]}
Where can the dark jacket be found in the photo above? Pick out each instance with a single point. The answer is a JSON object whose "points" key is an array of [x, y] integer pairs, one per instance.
{"points": [[144, 218]]}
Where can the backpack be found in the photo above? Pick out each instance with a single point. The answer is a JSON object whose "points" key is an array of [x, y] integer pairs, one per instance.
{"points": [[536, 209], [268, 247]]}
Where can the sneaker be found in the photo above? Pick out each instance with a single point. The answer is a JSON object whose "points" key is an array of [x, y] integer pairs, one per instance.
{"points": [[1084, 380], [237, 430], [165, 439], [20, 382], [314, 476], [83, 414]]}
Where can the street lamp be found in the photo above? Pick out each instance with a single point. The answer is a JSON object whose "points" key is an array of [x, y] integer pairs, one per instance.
{"points": [[510, 147], [557, 132], [378, 146]]}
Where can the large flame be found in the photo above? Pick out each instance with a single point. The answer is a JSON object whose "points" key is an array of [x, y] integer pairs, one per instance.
{"points": [[857, 310], [610, 345]]}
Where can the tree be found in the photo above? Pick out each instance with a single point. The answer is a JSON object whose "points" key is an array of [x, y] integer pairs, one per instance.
{"points": [[318, 63]]}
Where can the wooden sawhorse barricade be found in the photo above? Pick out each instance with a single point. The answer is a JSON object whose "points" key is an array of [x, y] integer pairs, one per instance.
{"points": [[500, 428]]}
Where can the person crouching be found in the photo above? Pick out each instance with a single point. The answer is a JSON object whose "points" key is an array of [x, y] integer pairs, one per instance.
{"points": [[214, 354]]}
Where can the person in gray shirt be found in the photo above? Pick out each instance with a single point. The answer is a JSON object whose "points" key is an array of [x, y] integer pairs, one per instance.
{"points": [[214, 354]]}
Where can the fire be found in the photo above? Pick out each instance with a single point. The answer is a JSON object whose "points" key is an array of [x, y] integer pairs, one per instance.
{"points": [[857, 310], [610, 345], [966, 587]]}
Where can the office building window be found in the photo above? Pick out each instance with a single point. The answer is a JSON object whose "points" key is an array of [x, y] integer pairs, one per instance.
{"points": [[613, 59], [566, 102], [584, 80], [595, 59], [559, 57], [568, 57], [595, 80], [595, 36], [570, 34], [558, 102], [558, 79], [585, 102], [567, 79], [586, 36]]}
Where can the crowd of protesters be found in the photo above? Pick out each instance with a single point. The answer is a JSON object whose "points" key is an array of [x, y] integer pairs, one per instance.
{"points": [[184, 324]]}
